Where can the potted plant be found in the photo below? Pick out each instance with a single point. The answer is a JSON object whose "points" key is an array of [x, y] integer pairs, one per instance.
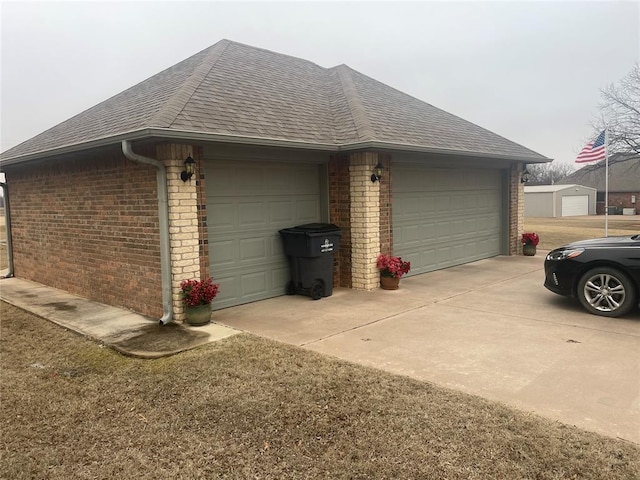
{"points": [[196, 297], [391, 269], [529, 242]]}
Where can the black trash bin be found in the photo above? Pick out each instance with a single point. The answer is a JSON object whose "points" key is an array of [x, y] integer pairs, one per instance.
{"points": [[310, 249]]}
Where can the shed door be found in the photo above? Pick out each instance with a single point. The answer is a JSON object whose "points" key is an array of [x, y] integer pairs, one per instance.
{"points": [[443, 217], [247, 204], [575, 205]]}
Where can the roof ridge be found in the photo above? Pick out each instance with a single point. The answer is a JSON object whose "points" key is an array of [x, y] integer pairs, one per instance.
{"points": [[273, 52], [167, 114], [364, 129]]}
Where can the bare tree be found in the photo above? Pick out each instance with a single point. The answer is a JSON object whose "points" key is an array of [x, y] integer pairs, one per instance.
{"points": [[620, 113], [548, 173]]}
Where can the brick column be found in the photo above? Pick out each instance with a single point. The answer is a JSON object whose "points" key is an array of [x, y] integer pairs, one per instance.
{"points": [[516, 209], [365, 221], [183, 221]]}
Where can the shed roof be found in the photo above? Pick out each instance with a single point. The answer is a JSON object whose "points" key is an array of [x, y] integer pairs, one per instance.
{"points": [[624, 174], [235, 92], [551, 188]]}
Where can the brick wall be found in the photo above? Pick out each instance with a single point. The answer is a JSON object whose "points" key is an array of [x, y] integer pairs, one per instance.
{"points": [[620, 200], [203, 234], [386, 227], [89, 226], [340, 215]]}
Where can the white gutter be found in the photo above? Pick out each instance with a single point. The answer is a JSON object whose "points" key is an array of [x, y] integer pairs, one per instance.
{"points": [[7, 213], [163, 215], [166, 133]]}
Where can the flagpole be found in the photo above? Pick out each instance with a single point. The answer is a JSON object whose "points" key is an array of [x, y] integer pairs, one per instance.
{"points": [[606, 182]]}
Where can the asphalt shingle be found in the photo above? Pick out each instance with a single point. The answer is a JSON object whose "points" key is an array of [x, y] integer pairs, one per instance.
{"points": [[235, 89]]}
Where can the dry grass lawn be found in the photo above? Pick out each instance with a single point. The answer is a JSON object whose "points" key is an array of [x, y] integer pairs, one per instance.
{"points": [[555, 232], [249, 408]]}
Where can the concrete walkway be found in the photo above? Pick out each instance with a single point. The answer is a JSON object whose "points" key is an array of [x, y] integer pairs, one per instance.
{"points": [[127, 332], [487, 328]]}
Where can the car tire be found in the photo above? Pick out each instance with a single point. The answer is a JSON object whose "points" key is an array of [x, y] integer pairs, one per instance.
{"points": [[607, 292]]}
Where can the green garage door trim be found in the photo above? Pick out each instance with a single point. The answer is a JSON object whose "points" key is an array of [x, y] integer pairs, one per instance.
{"points": [[247, 204], [443, 217]]}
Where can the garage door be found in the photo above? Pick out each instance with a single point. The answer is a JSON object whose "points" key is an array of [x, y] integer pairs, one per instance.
{"points": [[247, 203], [575, 205], [445, 217]]}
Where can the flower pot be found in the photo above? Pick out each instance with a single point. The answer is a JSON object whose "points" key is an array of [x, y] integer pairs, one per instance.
{"points": [[200, 315], [528, 249], [389, 283]]}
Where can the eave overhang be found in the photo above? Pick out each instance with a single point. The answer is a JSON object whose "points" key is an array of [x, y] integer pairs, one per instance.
{"points": [[194, 136]]}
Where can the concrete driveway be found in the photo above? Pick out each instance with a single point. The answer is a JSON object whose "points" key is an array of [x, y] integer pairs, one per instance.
{"points": [[488, 328]]}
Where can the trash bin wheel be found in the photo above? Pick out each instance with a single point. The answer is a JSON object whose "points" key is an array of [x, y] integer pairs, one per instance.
{"points": [[317, 290], [290, 288]]}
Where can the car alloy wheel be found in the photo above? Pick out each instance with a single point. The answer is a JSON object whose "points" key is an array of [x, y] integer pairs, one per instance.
{"points": [[606, 291]]}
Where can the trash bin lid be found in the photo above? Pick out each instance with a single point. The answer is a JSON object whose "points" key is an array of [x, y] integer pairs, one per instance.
{"points": [[318, 228]]}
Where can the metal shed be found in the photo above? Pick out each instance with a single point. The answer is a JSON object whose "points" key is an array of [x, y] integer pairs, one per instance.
{"points": [[559, 201]]}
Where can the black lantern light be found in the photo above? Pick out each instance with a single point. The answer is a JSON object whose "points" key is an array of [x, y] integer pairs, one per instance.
{"points": [[189, 169], [377, 173], [526, 176]]}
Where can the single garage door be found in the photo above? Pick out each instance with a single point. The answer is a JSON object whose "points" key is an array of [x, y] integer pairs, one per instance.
{"points": [[446, 217], [575, 205], [247, 204]]}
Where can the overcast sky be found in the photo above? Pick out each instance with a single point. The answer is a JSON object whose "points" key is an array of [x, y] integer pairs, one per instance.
{"points": [[529, 71]]}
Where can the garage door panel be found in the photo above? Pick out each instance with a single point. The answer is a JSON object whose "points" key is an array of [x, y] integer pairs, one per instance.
{"points": [[247, 204], [458, 202], [231, 291], [459, 227], [443, 255], [442, 203], [226, 215], [443, 229], [251, 214], [224, 251], [253, 249], [307, 210], [279, 279], [254, 283], [281, 211], [444, 217], [411, 234], [575, 205]]}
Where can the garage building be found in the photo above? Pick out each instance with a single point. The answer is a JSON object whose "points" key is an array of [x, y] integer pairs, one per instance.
{"points": [[559, 201], [100, 204]]}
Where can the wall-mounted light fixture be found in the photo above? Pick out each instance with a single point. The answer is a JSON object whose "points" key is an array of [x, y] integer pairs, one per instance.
{"points": [[189, 169], [377, 173], [526, 176]]}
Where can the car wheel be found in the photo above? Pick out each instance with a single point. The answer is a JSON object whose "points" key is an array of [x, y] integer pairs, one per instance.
{"points": [[606, 291]]}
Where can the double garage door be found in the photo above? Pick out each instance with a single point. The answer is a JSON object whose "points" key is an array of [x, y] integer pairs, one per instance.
{"points": [[247, 204], [441, 218], [446, 217]]}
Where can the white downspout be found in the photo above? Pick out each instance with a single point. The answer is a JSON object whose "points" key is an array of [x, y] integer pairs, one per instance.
{"points": [[7, 213], [163, 215]]}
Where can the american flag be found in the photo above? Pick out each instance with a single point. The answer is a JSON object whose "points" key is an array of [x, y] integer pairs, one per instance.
{"points": [[594, 151]]}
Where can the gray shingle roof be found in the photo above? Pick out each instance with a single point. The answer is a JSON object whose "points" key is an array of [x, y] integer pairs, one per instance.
{"points": [[624, 174], [231, 89]]}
